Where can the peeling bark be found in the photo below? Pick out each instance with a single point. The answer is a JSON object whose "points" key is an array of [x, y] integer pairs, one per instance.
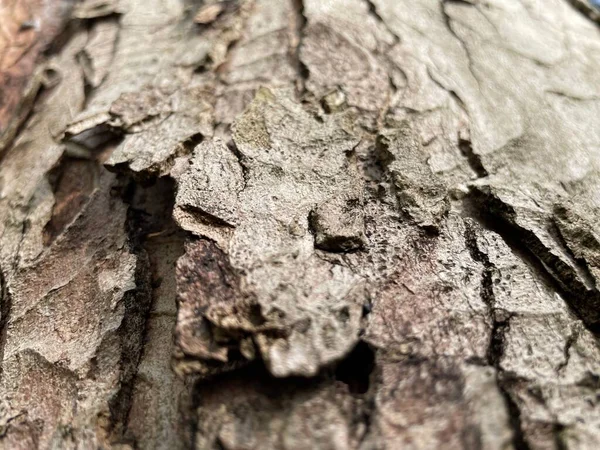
{"points": [[352, 224]]}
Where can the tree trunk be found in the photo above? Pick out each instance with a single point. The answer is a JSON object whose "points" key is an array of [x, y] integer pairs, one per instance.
{"points": [[299, 224]]}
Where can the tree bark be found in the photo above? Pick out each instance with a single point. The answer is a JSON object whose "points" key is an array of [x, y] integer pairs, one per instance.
{"points": [[299, 224]]}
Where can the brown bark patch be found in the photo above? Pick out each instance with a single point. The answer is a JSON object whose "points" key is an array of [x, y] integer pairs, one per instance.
{"points": [[73, 182], [26, 29]]}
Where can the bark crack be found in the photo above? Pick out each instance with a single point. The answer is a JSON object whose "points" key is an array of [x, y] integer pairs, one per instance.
{"points": [[499, 217], [464, 144], [375, 14], [519, 441], [496, 344], [205, 217], [155, 232], [240, 158], [299, 27], [5, 307], [579, 264], [356, 368], [473, 159], [132, 329], [391, 65], [500, 323], [571, 339], [24, 111]]}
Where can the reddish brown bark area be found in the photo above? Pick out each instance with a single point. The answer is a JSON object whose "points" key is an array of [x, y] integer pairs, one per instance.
{"points": [[26, 29]]}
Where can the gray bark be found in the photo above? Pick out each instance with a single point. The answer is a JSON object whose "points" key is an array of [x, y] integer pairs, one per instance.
{"points": [[300, 224]]}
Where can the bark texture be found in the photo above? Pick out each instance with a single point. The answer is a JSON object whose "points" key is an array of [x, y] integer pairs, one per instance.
{"points": [[299, 224]]}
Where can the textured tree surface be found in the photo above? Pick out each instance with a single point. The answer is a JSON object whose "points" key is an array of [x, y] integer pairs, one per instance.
{"points": [[299, 224]]}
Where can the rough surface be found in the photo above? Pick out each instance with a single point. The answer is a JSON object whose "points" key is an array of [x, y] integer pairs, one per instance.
{"points": [[265, 286], [269, 224], [419, 193]]}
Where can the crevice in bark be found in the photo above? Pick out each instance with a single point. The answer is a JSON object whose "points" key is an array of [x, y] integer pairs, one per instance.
{"points": [[64, 36], [136, 304], [391, 65], [451, 92], [375, 14], [150, 207], [393, 90], [500, 324], [355, 370], [497, 216], [465, 146], [592, 13], [571, 339], [519, 440], [24, 228], [93, 143], [5, 307], [195, 402], [365, 416], [299, 24], [184, 148], [153, 204], [474, 160], [494, 215], [83, 57], [254, 375], [572, 97], [558, 439], [191, 142], [590, 381], [149, 214], [158, 169], [487, 284], [494, 356], [580, 265], [240, 157], [204, 217]]}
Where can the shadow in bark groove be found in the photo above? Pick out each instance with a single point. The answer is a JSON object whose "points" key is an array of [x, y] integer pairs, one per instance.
{"points": [[492, 215], [355, 370], [155, 238], [5, 307]]}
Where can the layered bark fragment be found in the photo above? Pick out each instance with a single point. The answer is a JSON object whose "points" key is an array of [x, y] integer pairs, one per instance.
{"points": [[269, 289]]}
